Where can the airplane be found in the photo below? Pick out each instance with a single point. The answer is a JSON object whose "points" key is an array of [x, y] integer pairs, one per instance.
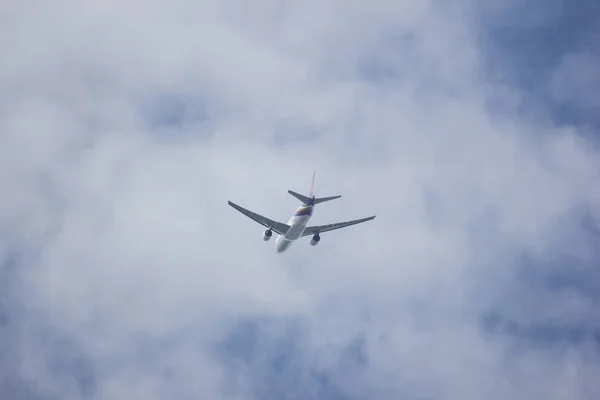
{"points": [[296, 227]]}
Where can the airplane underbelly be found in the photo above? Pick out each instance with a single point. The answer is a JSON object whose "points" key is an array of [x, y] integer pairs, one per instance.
{"points": [[297, 226], [294, 232]]}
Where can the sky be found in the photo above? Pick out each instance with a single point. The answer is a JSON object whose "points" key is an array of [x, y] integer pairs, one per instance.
{"points": [[469, 128]]}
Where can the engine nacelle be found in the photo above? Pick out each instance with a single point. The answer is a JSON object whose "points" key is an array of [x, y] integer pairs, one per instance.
{"points": [[267, 234], [315, 240]]}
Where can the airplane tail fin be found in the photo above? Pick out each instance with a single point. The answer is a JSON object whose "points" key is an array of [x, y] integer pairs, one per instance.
{"points": [[312, 185], [311, 196]]}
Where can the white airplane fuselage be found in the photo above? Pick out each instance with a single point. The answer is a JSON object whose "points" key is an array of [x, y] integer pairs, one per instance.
{"points": [[297, 225]]}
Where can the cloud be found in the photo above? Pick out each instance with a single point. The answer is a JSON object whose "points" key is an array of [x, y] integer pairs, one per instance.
{"points": [[546, 50], [126, 127]]}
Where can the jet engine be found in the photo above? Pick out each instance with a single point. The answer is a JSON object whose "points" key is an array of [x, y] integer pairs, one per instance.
{"points": [[315, 240], [267, 234]]}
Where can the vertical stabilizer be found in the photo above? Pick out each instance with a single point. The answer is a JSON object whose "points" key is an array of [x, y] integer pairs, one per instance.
{"points": [[311, 199]]}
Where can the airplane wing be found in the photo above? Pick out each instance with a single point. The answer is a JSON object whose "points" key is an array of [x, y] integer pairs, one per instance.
{"points": [[278, 227], [312, 230]]}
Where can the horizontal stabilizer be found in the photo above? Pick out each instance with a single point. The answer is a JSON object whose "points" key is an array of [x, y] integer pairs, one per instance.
{"points": [[311, 199], [324, 199], [308, 200], [302, 198]]}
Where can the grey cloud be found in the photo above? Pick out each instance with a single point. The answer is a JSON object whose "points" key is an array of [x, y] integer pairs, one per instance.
{"points": [[542, 50], [576, 79]]}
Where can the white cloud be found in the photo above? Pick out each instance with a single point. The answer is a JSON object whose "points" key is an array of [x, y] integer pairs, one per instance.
{"points": [[132, 256]]}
